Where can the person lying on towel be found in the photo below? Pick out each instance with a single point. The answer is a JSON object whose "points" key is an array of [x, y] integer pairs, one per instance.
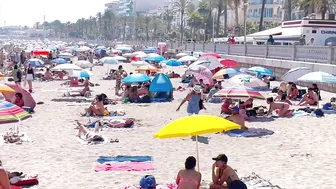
{"points": [[89, 136], [96, 108]]}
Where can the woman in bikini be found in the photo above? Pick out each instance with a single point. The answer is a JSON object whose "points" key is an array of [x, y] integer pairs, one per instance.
{"points": [[282, 106], [189, 178], [221, 173], [88, 135], [86, 87], [96, 108]]}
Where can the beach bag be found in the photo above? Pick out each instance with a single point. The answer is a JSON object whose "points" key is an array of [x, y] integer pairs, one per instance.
{"points": [[275, 90], [148, 182], [319, 113], [251, 113]]}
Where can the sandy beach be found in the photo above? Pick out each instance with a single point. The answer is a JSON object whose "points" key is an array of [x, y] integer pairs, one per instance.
{"points": [[299, 155]]}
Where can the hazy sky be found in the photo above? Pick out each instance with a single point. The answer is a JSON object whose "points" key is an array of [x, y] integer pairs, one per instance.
{"points": [[27, 12]]}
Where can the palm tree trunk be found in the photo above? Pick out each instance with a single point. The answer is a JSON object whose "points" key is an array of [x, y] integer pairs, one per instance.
{"points": [[262, 15], [219, 11], [225, 17], [181, 26]]}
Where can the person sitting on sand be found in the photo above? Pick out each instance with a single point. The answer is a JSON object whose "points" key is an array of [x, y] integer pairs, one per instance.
{"points": [[4, 179], [293, 92], [86, 87], [189, 178], [283, 108], [309, 99], [225, 106], [133, 95], [237, 118], [19, 100], [221, 173], [97, 107], [48, 75], [279, 96]]}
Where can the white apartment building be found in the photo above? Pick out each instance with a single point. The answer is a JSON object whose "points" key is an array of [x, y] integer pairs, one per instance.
{"points": [[112, 6]]}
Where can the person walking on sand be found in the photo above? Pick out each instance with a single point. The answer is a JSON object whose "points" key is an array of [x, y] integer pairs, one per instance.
{"points": [[189, 178], [17, 75], [119, 76], [223, 176], [194, 99], [30, 77]]}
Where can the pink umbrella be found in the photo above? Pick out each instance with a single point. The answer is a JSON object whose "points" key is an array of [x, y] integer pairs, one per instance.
{"points": [[229, 63], [202, 72], [27, 97], [211, 54]]}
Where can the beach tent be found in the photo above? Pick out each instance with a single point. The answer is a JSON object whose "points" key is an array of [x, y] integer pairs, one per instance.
{"points": [[161, 88]]}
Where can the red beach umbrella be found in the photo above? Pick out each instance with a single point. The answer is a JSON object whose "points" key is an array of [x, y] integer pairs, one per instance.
{"points": [[229, 63], [211, 54], [39, 52]]}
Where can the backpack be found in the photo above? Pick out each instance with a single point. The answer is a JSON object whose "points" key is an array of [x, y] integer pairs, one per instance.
{"points": [[148, 182]]}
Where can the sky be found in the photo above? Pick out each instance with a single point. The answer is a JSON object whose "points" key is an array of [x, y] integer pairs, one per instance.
{"points": [[28, 12]]}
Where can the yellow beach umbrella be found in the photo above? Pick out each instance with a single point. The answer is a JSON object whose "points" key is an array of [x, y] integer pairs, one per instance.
{"points": [[195, 125], [5, 88]]}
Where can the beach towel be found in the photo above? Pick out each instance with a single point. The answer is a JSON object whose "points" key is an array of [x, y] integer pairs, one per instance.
{"points": [[104, 159], [251, 132], [17, 181], [84, 142], [254, 181], [15, 187], [128, 166], [159, 186]]}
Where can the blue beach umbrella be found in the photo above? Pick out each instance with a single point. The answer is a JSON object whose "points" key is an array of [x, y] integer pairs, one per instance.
{"points": [[150, 50], [173, 63], [136, 78], [155, 58], [59, 61], [82, 73], [259, 71], [35, 62], [109, 60]]}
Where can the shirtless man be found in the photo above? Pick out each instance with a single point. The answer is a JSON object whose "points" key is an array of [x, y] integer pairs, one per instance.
{"points": [[97, 107], [225, 174], [309, 99], [282, 106], [236, 117]]}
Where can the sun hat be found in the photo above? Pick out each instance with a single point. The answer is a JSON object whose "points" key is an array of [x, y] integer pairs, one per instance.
{"points": [[197, 89], [221, 157]]}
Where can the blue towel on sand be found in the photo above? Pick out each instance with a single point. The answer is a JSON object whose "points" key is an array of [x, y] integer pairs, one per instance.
{"points": [[251, 132], [104, 159]]}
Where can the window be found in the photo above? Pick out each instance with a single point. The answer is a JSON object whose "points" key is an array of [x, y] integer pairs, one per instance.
{"points": [[314, 31]]}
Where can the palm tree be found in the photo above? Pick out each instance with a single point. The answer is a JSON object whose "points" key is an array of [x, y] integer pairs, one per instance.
{"points": [[181, 6], [262, 15], [313, 6], [236, 4], [168, 18], [147, 21], [219, 4], [37, 24]]}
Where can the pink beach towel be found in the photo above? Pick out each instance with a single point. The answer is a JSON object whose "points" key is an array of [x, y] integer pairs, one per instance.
{"points": [[129, 166]]}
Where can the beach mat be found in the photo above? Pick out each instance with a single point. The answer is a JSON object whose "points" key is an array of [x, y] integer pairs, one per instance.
{"points": [[84, 142], [104, 159], [129, 166], [251, 132]]}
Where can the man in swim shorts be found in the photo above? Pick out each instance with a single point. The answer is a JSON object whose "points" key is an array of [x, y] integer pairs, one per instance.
{"points": [[309, 99], [221, 173]]}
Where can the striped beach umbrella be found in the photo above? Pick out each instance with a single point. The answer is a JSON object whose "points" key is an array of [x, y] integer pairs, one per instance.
{"points": [[239, 92], [10, 113]]}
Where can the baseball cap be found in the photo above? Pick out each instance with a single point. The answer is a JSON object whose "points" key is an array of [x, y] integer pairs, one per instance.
{"points": [[221, 157]]}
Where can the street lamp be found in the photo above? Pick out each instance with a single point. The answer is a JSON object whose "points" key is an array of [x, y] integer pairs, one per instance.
{"points": [[205, 25]]}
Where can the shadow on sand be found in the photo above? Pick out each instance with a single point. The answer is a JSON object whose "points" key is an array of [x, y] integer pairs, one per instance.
{"points": [[78, 100], [201, 139]]}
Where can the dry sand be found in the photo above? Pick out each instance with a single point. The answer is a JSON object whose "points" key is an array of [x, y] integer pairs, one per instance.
{"points": [[301, 153]]}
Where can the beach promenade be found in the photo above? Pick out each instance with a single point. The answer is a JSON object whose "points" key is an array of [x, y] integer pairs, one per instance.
{"points": [[299, 155]]}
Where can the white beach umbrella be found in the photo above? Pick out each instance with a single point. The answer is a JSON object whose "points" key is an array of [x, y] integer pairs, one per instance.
{"points": [[139, 53], [247, 81], [294, 74], [181, 55], [109, 60], [318, 77], [120, 58], [84, 64], [66, 67], [65, 55], [83, 49], [140, 63], [187, 59]]}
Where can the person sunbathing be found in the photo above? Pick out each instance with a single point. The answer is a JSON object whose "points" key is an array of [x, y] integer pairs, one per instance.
{"points": [[189, 178], [86, 87], [88, 135], [309, 99], [96, 108], [237, 118], [223, 176], [225, 106], [48, 75], [281, 106]]}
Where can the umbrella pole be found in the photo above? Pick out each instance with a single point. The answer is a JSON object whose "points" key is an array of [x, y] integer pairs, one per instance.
{"points": [[197, 155]]}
